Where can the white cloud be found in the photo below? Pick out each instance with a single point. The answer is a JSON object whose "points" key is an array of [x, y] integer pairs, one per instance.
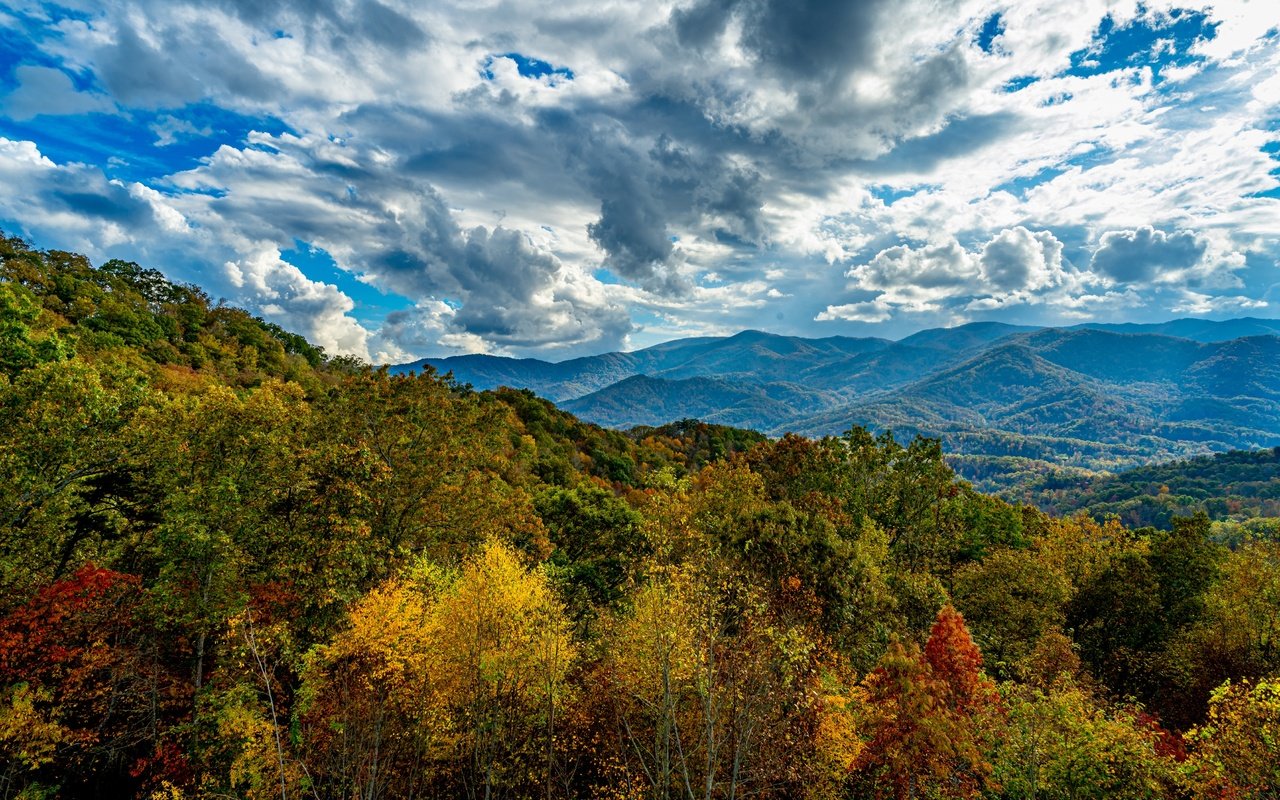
{"points": [[869, 311], [170, 129], [1197, 303], [865, 162], [1018, 259], [44, 90]]}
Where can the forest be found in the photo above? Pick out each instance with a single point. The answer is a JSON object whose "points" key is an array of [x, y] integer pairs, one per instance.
{"points": [[234, 566]]}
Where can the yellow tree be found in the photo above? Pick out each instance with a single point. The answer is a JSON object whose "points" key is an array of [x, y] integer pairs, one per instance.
{"points": [[505, 648], [1237, 750], [714, 694], [373, 714], [445, 680]]}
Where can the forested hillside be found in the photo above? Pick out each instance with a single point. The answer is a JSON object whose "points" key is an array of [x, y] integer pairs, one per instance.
{"points": [[231, 566], [1007, 398], [1236, 487]]}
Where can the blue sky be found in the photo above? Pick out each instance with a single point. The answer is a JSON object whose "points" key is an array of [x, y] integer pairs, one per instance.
{"points": [[398, 180]]}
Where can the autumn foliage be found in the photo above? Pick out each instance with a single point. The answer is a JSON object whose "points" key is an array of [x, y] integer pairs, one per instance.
{"points": [[231, 566]]}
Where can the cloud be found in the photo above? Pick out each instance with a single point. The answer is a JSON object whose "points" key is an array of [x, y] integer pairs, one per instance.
{"points": [[1147, 255], [169, 129], [44, 90], [1016, 267], [869, 311], [562, 176], [1201, 304], [1018, 259]]}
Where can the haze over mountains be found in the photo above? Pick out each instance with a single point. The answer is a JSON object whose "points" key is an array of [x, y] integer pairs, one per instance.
{"points": [[1094, 395]]}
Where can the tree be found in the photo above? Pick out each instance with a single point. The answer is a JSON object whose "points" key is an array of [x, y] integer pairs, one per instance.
{"points": [[445, 680], [22, 347], [931, 717], [372, 707], [714, 694], [1236, 752], [506, 651], [597, 541], [1063, 743], [1010, 599], [82, 687]]}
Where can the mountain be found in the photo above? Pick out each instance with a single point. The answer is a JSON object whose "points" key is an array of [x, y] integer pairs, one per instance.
{"points": [[643, 400], [753, 355], [1239, 485], [1094, 396], [1087, 398], [1200, 330]]}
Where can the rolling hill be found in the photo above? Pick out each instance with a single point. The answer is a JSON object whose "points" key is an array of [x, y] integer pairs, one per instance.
{"points": [[1089, 396]]}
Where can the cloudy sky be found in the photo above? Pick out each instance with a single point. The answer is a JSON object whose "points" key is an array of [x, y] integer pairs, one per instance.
{"points": [[400, 179]]}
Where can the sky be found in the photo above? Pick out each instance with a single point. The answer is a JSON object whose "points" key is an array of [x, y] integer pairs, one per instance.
{"points": [[398, 180]]}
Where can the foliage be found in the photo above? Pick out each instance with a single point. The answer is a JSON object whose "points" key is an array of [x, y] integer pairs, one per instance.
{"points": [[232, 566]]}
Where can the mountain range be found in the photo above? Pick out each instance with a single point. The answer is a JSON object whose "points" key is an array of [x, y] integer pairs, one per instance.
{"points": [[1097, 396]]}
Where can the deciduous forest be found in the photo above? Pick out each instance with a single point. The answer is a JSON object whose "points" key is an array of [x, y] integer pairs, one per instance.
{"points": [[232, 566]]}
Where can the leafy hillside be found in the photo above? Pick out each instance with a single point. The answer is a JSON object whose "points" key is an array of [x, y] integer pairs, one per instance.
{"points": [[1237, 485], [1098, 397], [1088, 398], [231, 566]]}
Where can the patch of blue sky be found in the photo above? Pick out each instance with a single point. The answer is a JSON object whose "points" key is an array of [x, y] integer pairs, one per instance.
{"points": [[53, 13], [605, 275], [992, 27], [891, 194], [1148, 40], [23, 44], [1274, 191], [530, 67], [127, 145], [1018, 187], [17, 48], [372, 304], [1019, 83]]}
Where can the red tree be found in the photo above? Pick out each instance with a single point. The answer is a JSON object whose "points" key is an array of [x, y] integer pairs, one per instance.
{"points": [[932, 715]]}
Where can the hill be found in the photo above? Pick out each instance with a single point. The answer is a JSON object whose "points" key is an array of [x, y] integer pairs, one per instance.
{"points": [[232, 566], [1097, 397], [1238, 485]]}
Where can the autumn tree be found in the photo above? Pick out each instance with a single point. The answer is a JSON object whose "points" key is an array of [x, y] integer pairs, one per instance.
{"points": [[444, 680], [83, 691], [931, 717], [1063, 742], [712, 693], [1236, 752]]}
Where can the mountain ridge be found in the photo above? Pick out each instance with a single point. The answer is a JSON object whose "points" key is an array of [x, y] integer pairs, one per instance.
{"points": [[1098, 396]]}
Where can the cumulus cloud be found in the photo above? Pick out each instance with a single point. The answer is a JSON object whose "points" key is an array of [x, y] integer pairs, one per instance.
{"points": [[868, 311], [562, 176], [1147, 255], [1013, 268], [1018, 259]]}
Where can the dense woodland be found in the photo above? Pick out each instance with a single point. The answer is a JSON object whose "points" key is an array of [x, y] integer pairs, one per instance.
{"points": [[1234, 487], [231, 566]]}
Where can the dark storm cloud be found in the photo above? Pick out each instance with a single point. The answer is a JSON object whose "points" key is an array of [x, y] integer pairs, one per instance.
{"points": [[807, 40], [366, 19], [1146, 254], [818, 40]]}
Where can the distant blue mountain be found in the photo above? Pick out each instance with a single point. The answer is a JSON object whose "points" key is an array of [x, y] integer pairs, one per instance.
{"points": [[1093, 395]]}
